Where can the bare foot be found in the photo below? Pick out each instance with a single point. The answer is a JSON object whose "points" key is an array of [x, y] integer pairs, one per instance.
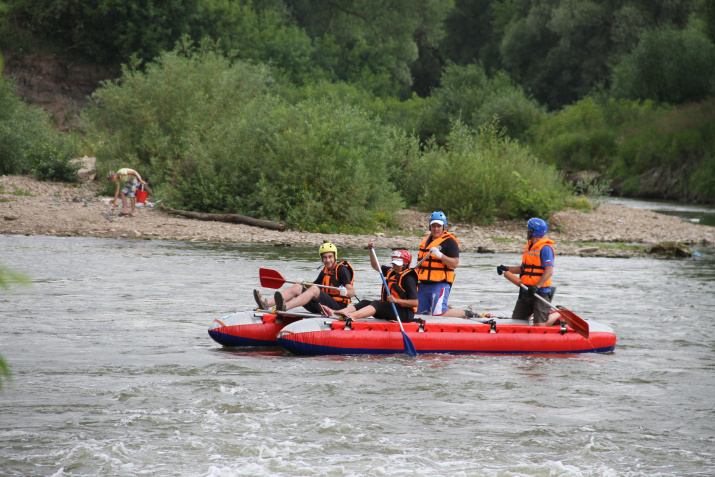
{"points": [[341, 313]]}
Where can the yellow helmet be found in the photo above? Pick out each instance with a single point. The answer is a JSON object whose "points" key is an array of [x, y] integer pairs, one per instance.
{"points": [[328, 247]]}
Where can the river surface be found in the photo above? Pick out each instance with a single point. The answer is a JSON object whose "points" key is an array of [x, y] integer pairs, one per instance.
{"points": [[114, 373], [695, 213]]}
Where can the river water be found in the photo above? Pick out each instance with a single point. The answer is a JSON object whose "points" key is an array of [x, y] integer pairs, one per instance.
{"points": [[696, 213], [114, 373]]}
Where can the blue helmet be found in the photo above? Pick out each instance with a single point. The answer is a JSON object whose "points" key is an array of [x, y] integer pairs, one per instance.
{"points": [[438, 216], [537, 227]]}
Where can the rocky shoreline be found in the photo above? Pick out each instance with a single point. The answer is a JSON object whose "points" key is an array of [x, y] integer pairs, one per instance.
{"points": [[30, 207]]}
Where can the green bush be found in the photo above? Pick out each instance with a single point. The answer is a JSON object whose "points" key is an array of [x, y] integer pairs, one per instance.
{"points": [[584, 136], [406, 115], [315, 166], [29, 143], [482, 175], [467, 94], [625, 139], [152, 120]]}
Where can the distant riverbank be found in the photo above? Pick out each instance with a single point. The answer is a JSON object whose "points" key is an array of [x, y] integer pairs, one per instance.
{"points": [[30, 207]]}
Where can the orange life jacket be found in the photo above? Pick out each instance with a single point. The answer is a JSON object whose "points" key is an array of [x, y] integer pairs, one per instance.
{"points": [[394, 281], [330, 279], [433, 269], [531, 268]]}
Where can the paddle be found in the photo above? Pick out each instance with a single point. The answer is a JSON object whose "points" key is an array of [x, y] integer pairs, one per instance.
{"points": [[273, 279], [409, 347], [423, 259], [577, 323]]}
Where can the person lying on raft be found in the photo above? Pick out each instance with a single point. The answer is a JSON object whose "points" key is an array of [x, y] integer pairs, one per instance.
{"points": [[402, 281], [338, 275]]}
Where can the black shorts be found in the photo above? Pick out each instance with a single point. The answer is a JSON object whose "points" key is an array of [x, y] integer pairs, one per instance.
{"points": [[384, 310], [323, 299], [527, 304]]}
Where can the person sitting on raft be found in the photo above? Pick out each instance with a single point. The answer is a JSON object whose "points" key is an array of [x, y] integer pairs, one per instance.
{"points": [[402, 281], [337, 275]]}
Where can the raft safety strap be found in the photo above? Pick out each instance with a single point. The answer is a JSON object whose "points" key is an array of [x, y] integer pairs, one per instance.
{"points": [[493, 326], [562, 324]]}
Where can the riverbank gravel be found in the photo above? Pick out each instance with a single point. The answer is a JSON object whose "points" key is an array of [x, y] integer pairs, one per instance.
{"points": [[30, 207]]}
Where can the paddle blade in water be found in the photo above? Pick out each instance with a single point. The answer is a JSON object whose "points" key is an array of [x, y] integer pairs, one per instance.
{"points": [[270, 278], [409, 347], [578, 324]]}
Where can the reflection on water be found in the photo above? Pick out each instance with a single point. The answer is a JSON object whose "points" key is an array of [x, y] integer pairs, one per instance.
{"points": [[115, 374], [696, 213]]}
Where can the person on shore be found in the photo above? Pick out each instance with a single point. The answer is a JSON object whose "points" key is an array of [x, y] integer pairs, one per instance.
{"points": [[402, 282], [131, 180], [536, 270], [436, 273], [338, 275]]}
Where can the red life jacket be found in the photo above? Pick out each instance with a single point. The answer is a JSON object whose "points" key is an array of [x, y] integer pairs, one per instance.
{"points": [[394, 282], [433, 269], [330, 278], [531, 268]]}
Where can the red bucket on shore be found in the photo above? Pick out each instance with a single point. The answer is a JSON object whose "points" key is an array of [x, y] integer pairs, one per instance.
{"points": [[142, 195]]}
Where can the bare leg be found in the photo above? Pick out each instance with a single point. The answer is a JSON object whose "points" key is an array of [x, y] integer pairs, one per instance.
{"points": [[369, 310], [133, 201], [288, 293], [312, 293], [553, 318], [454, 313], [124, 204]]}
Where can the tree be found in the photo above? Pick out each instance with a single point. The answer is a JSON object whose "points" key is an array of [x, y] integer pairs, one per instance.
{"points": [[377, 41], [469, 95], [560, 50], [673, 66]]}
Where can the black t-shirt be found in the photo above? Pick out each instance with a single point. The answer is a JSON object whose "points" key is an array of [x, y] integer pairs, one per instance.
{"points": [[449, 247]]}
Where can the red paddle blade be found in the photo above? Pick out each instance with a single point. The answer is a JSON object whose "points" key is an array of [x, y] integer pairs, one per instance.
{"points": [[576, 322], [270, 278]]}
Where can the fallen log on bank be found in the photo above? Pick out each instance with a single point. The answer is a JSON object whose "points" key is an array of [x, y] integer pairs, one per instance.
{"points": [[232, 218]]}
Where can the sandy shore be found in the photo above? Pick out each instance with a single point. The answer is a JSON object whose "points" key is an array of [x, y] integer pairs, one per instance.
{"points": [[30, 207]]}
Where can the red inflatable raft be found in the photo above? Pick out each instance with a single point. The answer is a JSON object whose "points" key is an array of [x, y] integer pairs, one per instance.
{"points": [[327, 336], [252, 328]]}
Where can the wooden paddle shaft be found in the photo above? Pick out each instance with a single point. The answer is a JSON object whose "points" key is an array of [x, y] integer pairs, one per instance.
{"points": [[517, 281], [573, 320], [311, 284]]}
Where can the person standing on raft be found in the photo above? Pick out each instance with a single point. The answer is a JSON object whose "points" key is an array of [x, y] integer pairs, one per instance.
{"points": [[537, 267], [436, 274], [340, 275], [402, 281]]}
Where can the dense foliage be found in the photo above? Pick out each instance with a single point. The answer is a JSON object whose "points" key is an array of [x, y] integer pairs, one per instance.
{"points": [[649, 150], [329, 115], [467, 94], [652, 71], [29, 143], [479, 175], [214, 138]]}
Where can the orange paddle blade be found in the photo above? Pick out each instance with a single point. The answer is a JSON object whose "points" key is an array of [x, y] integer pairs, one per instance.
{"points": [[577, 323], [270, 278]]}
